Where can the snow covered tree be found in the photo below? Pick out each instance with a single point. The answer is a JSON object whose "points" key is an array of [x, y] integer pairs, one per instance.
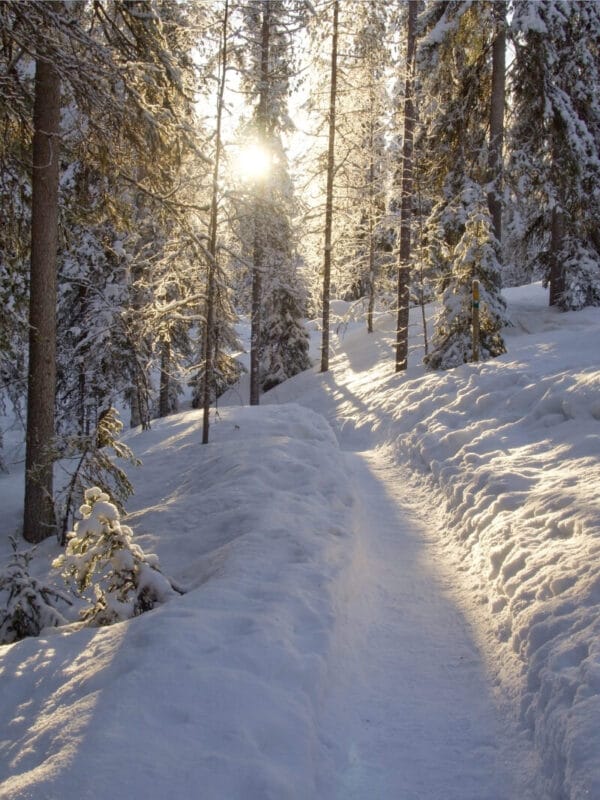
{"points": [[361, 134], [209, 322], [330, 173], [99, 458], [284, 340], [15, 241], [454, 73], [270, 200], [125, 72], [475, 255], [349, 240], [102, 558], [27, 605], [555, 145]]}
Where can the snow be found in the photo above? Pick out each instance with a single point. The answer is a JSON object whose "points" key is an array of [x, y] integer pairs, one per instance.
{"points": [[392, 590]]}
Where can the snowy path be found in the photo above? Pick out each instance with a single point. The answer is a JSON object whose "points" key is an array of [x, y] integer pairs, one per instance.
{"points": [[407, 714]]}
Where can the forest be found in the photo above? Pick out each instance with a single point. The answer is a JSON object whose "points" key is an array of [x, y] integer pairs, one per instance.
{"points": [[166, 167], [300, 303]]}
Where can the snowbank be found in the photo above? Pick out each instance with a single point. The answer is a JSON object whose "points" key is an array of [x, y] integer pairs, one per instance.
{"points": [[219, 689], [510, 448], [213, 694]]}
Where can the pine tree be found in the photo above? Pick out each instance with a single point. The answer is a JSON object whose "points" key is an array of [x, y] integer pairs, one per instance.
{"points": [[126, 71], [278, 340], [27, 605], [455, 71], [39, 520], [106, 567], [362, 128], [555, 145], [476, 253], [328, 246]]}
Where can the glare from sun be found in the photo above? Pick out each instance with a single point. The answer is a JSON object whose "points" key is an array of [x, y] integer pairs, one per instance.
{"points": [[254, 162]]}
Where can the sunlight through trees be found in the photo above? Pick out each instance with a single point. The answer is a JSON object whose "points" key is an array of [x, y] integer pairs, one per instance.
{"points": [[191, 168]]}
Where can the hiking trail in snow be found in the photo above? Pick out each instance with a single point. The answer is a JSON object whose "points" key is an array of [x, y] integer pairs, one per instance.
{"points": [[408, 713]]}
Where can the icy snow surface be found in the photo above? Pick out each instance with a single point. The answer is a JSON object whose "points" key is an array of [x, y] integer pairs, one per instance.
{"points": [[393, 592]]}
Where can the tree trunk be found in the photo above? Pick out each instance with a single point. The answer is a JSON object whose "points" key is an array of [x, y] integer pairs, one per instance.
{"points": [[371, 223], [39, 519], [557, 275], [258, 254], [164, 398], [329, 193], [212, 244], [497, 105], [407, 195]]}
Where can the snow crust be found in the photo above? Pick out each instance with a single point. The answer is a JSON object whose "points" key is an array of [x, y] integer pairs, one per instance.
{"points": [[230, 690]]}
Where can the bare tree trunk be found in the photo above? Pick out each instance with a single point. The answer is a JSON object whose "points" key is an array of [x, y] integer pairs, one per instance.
{"points": [[407, 195], [257, 255], [497, 105], [212, 244], [371, 306], [557, 275], [39, 520], [329, 193], [164, 405]]}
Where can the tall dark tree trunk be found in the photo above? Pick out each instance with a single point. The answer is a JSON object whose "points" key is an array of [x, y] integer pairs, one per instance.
{"points": [[212, 245], [406, 203], [497, 106], [557, 274], [258, 249], [329, 193], [39, 520]]}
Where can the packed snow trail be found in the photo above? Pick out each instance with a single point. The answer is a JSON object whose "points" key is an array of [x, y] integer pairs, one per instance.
{"points": [[407, 713]]}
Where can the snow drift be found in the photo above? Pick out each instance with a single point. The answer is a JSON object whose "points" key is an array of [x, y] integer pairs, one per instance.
{"points": [[510, 448], [221, 688]]}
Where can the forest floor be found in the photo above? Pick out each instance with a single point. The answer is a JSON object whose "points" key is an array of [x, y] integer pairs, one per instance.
{"points": [[408, 710]]}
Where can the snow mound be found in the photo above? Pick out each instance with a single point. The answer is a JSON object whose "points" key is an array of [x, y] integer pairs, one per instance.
{"points": [[217, 689], [509, 449]]}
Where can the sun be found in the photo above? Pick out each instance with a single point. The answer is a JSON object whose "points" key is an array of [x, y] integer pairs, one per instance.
{"points": [[253, 162]]}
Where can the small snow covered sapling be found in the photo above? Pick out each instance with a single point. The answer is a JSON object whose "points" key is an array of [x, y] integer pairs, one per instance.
{"points": [[100, 551], [26, 605], [98, 464]]}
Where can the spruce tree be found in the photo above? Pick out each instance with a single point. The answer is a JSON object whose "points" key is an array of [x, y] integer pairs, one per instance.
{"points": [[454, 72], [125, 75], [278, 341], [555, 145]]}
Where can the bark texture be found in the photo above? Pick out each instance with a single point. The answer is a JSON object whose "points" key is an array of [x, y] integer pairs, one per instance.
{"points": [[329, 193], [39, 520], [406, 203]]}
